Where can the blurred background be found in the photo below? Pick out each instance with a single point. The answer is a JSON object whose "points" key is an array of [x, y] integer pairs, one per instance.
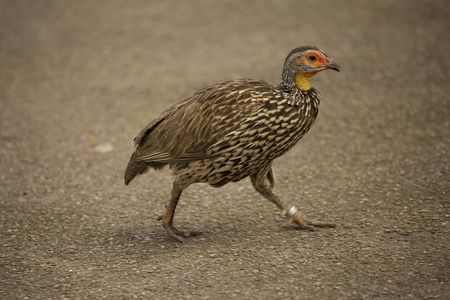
{"points": [[79, 79]]}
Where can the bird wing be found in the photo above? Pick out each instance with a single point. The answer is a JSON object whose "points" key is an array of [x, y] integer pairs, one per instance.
{"points": [[185, 131]]}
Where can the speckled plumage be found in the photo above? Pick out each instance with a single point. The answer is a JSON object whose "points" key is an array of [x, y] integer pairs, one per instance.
{"points": [[228, 131]]}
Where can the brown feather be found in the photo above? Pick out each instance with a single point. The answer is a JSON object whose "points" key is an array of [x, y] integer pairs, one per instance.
{"points": [[205, 117]]}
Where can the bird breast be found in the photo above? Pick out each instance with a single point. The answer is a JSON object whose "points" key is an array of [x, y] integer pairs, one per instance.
{"points": [[269, 132]]}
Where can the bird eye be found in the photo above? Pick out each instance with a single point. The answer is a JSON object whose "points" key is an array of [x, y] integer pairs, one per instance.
{"points": [[312, 58]]}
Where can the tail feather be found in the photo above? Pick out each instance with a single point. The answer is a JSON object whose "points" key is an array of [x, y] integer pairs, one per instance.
{"points": [[134, 169], [138, 168]]}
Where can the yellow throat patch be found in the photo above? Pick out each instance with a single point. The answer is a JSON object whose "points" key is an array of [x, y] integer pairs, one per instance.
{"points": [[302, 80]]}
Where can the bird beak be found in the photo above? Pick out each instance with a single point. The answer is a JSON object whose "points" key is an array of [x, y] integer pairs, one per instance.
{"points": [[333, 65]]}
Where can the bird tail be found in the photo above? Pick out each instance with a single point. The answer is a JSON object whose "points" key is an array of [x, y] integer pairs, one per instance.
{"points": [[134, 169], [138, 168]]}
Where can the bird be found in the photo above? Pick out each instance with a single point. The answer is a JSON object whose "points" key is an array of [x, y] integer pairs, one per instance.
{"points": [[231, 130]]}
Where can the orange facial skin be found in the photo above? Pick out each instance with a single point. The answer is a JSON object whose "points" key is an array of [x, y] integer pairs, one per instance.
{"points": [[315, 58]]}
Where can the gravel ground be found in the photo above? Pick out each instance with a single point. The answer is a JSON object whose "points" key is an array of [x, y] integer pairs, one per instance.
{"points": [[79, 79]]}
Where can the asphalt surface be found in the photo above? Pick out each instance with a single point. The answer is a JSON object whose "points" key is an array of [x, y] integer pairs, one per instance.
{"points": [[79, 79]]}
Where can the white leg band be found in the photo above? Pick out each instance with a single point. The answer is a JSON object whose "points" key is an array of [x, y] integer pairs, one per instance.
{"points": [[292, 211]]}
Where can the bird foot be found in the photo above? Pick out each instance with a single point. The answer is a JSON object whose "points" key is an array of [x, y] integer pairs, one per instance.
{"points": [[305, 223], [310, 224], [178, 234]]}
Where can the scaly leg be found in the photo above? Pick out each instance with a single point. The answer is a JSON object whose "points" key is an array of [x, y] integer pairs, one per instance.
{"points": [[167, 218], [264, 183]]}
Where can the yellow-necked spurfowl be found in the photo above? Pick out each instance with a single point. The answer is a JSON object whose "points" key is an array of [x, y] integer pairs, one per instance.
{"points": [[234, 129]]}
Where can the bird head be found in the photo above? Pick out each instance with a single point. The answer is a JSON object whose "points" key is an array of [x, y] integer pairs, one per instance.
{"points": [[304, 62]]}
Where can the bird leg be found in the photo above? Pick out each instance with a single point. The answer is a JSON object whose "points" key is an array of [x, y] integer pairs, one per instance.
{"points": [[264, 182], [167, 218]]}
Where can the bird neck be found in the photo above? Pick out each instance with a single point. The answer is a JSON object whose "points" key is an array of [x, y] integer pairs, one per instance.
{"points": [[302, 80], [292, 80]]}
